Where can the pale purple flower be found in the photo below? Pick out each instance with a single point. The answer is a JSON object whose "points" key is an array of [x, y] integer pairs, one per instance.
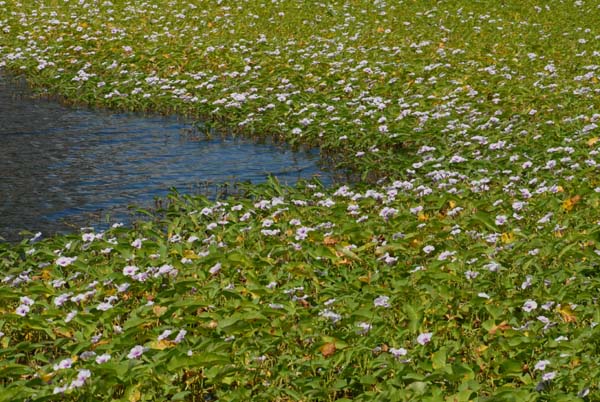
{"points": [[123, 287], [483, 295], [130, 270], [70, 316], [180, 336], [387, 212], [59, 390], [398, 352], [136, 352], [425, 338], [63, 364], [334, 317], [428, 249], [88, 354], [65, 261], [165, 334], [141, 277], [215, 269], [548, 305], [26, 301], [82, 375], [363, 328], [88, 237], [471, 274], [444, 255], [137, 243], [541, 365], [22, 310], [529, 306], [302, 233], [382, 301], [104, 306], [549, 376], [103, 358], [61, 299], [501, 220]]}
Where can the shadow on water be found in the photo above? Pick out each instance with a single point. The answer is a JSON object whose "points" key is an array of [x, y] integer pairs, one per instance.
{"points": [[63, 168]]}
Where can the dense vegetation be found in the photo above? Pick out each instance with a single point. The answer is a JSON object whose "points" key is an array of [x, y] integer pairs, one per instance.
{"points": [[463, 267]]}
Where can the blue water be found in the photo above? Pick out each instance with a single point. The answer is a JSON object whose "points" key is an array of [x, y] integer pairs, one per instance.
{"points": [[62, 168]]}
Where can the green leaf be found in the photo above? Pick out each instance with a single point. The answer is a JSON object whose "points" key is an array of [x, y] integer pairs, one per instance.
{"points": [[198, 360], [438, 360]]}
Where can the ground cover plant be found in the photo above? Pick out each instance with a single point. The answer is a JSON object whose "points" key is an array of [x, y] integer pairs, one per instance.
{"points": [[463, 267]]}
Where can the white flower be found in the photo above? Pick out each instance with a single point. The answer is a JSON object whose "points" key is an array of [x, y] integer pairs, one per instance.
{"points": [[425, 338], [22, 310], [63, 364], [398, 352], [428, 249], [215, 269], [501, 220], [136, 352], [529, 306], [382, 301], [103, 358], [541, 365], [363, 328], [65, 261], [104, 306]]}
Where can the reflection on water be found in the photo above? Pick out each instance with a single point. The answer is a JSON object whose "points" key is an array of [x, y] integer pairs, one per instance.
{"points": [[64, 167]]}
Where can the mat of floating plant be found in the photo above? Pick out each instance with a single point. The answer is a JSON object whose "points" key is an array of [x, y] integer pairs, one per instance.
{"points": [[470, 272]]}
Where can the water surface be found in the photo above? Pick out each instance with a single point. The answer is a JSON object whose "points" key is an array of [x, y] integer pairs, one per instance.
{"points": [[62, 168]]}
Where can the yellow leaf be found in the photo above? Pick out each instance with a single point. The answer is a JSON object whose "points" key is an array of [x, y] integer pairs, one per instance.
{"points": [[47, 377], [508, 237], [135, 396], [329, 241], [570, 203], [190, 254], [592, 141], [328, 349], [503, 326], [158, 310], [161, 345], [452, 204], [566, 313], [63, 333], [422, 217], [380, 29], [481, 348]]}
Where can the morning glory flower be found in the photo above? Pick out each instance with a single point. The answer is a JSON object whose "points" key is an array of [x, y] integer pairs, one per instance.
{"points": [[136, 352], [65, 261], [63, 364], [428, 249], [363, 328], [425, 338], [22, 310], [541, 365], [382, 301], [529, 306], [398, 352], [501, 220], [82, 375], [103, 358]]}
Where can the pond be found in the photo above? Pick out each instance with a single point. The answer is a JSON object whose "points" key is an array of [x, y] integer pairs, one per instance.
{"points": [[62, 168]]}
